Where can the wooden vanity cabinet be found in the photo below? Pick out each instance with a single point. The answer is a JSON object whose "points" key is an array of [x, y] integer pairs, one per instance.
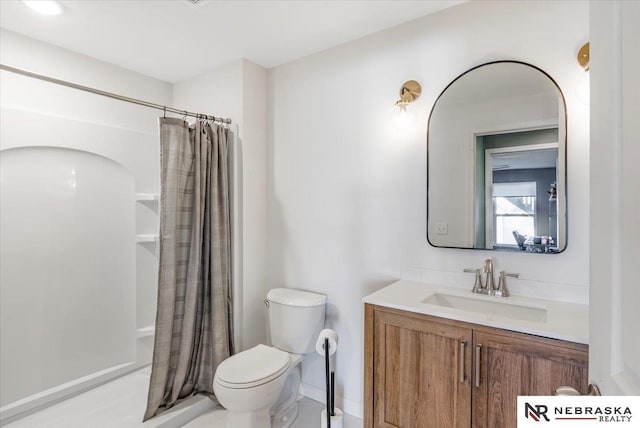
{"points": [[420, 371], [513, 364], [416, 373]]}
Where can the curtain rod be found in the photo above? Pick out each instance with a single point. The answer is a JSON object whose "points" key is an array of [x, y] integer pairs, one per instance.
{"points": [[111, 95]]}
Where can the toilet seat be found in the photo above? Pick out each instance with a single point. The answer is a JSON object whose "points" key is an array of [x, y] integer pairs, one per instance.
{"points": [[253, 367]]}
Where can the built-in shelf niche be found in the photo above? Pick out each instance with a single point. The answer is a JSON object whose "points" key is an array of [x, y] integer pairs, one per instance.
{"points": [[147, 197], [147, 331], [146, 238]]}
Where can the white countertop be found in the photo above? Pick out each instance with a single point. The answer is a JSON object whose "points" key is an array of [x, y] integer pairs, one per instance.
{"points": [[564, 321]]}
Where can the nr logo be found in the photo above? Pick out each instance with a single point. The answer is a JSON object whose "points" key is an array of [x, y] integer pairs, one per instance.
{"points": [[536, 412]]}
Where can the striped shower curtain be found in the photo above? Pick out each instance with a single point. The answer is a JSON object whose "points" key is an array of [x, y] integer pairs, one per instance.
{"points": [[194, 315]]}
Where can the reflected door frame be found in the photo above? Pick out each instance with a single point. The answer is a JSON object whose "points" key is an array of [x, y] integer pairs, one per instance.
{"points": [[488, 182]]}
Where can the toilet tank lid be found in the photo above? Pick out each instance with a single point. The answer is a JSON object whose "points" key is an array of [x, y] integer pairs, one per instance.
{"points": [[291, 297]]}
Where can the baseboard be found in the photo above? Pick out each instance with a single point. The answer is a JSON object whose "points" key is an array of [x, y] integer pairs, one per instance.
{"points": [[348, 406]]}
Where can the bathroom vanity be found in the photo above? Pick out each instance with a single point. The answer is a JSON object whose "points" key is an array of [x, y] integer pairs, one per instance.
{"points": [[444, 357]]}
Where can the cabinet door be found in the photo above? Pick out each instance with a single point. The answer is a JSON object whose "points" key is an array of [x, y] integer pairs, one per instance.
{"points": [[518, 364], [421, 373]]}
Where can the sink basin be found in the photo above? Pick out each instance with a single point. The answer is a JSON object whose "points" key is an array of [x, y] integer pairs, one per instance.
{"points": [[487, 307]]}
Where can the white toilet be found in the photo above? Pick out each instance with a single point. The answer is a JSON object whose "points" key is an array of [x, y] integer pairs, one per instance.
{"points": [[259, 386]]}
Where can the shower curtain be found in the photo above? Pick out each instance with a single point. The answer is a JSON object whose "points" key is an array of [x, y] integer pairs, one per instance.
{"points": [[194, 316]]}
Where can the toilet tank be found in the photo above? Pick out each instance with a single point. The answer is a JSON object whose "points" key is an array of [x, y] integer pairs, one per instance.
{"points": [[295, 319]]}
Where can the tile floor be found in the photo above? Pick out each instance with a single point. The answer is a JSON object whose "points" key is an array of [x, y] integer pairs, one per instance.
{"points": [[120, 404], [308, 417]]}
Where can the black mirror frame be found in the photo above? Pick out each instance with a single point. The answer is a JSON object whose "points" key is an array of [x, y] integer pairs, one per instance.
{"points": [[566, 150]]}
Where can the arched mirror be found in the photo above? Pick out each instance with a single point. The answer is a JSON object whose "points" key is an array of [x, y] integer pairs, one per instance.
{"points": [[496, 159]]}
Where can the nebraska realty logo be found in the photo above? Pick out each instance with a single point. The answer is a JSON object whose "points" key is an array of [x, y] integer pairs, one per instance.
{"points": [[578, 411]]}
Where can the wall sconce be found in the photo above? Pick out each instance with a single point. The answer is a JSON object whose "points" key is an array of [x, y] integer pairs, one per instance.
{"points": [[582, 91], [583, 56], [409, 92]]}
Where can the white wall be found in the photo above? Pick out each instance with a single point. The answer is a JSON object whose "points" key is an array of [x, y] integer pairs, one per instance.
{"points": [[614, 351], [42, 114], [347, 192], [238, 91], [253, 139]]}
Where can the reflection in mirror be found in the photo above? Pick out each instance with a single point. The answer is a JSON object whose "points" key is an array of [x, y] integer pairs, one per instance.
{"points": [[496, 161]]}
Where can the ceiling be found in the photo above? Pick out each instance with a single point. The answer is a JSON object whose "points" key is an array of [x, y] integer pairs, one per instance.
{"points": [[173, 40], [530, 159]]}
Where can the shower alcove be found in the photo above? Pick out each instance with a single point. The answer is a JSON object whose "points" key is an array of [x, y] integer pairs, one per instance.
{"points": [[68, 274]]}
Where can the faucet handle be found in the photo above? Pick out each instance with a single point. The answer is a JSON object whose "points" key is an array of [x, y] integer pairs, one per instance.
{"points": [[502, 283], [477, 285]]}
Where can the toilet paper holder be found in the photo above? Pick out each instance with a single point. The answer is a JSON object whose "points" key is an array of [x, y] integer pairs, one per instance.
{"points": [[327, 345]]}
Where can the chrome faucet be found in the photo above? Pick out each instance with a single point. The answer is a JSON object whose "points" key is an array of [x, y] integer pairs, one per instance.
{"points": [[490, 284], [478, 287], [502, 283]]}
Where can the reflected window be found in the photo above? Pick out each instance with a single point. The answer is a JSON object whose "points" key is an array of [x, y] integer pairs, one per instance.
{"points": [[514, 208]]}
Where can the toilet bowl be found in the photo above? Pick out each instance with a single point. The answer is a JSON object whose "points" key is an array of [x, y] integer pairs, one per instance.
{"points": [[259, 386], [251, 383]]}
